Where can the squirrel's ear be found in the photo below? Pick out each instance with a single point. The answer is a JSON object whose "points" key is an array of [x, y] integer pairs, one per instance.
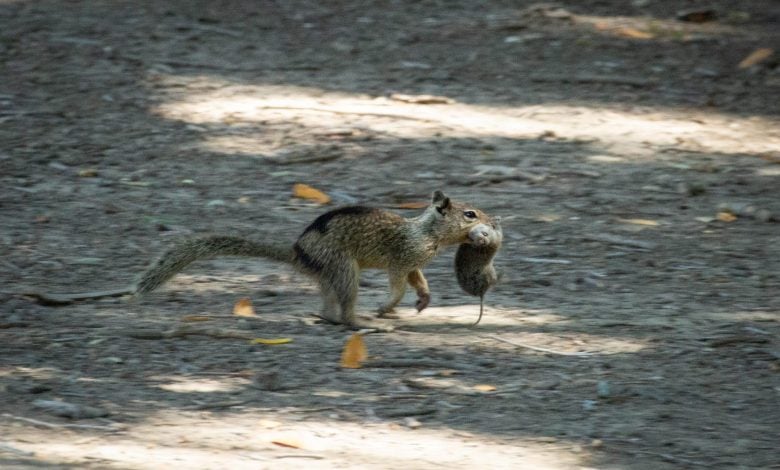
{"points": [[441, 202]]}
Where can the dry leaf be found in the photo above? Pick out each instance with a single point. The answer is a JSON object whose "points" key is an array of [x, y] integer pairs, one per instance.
{"points": [[271, 340], [412, 205], [485, 388], [194, 318], [726, 217], [305, 191], [633, 33], [354, 352], [647, 222], [755, 57], [288, 442], [243, 308], [88, 173]]}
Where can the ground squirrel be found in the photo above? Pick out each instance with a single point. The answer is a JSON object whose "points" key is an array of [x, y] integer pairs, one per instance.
{"points": [[338, 244], [474, 261]]}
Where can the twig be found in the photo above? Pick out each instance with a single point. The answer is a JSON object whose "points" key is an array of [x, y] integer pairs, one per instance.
{"points": [[59, 426], [44, 298], [517, 175], [184, 331], [357, 113], [400, 363], [222, 67], [616, 240], [573, 172], [216, 405], [536, 348], [14, 450], [544, 260], [312, 159], [416, 411], [603, 79], [728, 340]]}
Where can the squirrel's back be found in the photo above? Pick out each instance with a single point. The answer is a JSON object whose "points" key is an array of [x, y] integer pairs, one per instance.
{"points": [[374, 238]]}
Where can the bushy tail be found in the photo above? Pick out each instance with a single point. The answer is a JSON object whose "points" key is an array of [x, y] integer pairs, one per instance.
{"points": [[186, 253]]}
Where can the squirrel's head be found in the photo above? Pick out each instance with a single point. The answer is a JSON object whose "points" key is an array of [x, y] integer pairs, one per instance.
{"points": [[455, 220]]}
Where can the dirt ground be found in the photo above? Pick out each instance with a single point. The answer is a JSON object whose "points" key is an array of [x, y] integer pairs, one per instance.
{"points": [[635, 164]]}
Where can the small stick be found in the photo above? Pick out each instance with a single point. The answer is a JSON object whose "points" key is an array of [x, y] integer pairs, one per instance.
{"points": [[616, 240], [65, 299], [14, 450], [356, 113], [184, 331], [413, 363], [526, 259], [59, 426], [536, 348]]}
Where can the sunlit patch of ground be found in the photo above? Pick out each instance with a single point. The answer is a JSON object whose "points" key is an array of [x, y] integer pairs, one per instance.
{"points": [[254, 439], [200, 385], [500, 328], [615, 130]]}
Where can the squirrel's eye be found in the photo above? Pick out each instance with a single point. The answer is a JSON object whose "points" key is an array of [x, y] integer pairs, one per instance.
{"points": [[470, 214]]}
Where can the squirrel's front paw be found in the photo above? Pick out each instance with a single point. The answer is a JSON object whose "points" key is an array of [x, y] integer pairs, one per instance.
{"points": [[422, 301]]}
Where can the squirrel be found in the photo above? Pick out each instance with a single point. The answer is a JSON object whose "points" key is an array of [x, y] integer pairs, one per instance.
{"points": [[474, 261], [338, 244]]}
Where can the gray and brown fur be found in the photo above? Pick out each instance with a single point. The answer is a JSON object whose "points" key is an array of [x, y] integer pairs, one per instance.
{"points": [[474, 261], [338, 245]]}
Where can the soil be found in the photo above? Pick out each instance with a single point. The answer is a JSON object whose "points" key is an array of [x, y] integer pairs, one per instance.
{"points": [[635, 164]]}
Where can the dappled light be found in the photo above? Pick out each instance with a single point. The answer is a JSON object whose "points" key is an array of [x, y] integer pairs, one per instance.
{"points": [[199, 385], [222, 106], [630, 149], [516, 327], [254, 439]]}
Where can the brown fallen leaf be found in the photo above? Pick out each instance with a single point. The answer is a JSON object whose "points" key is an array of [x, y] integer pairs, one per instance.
{"points": [[726, 217], [195, 318], [354, 352], [701, 15], [421, 99], [291, 442], [646, 222], [243, 308], [633, 33], [88, 173], [304, 191], [755, 57], [412, 205]]}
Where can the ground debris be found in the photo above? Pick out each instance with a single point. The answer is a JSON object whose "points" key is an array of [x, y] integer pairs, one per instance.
{"points": [[620, 241], [70, 410], [185, 331]]}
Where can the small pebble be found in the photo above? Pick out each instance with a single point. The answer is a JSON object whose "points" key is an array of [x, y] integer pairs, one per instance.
{"points": [[411, 423]]}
